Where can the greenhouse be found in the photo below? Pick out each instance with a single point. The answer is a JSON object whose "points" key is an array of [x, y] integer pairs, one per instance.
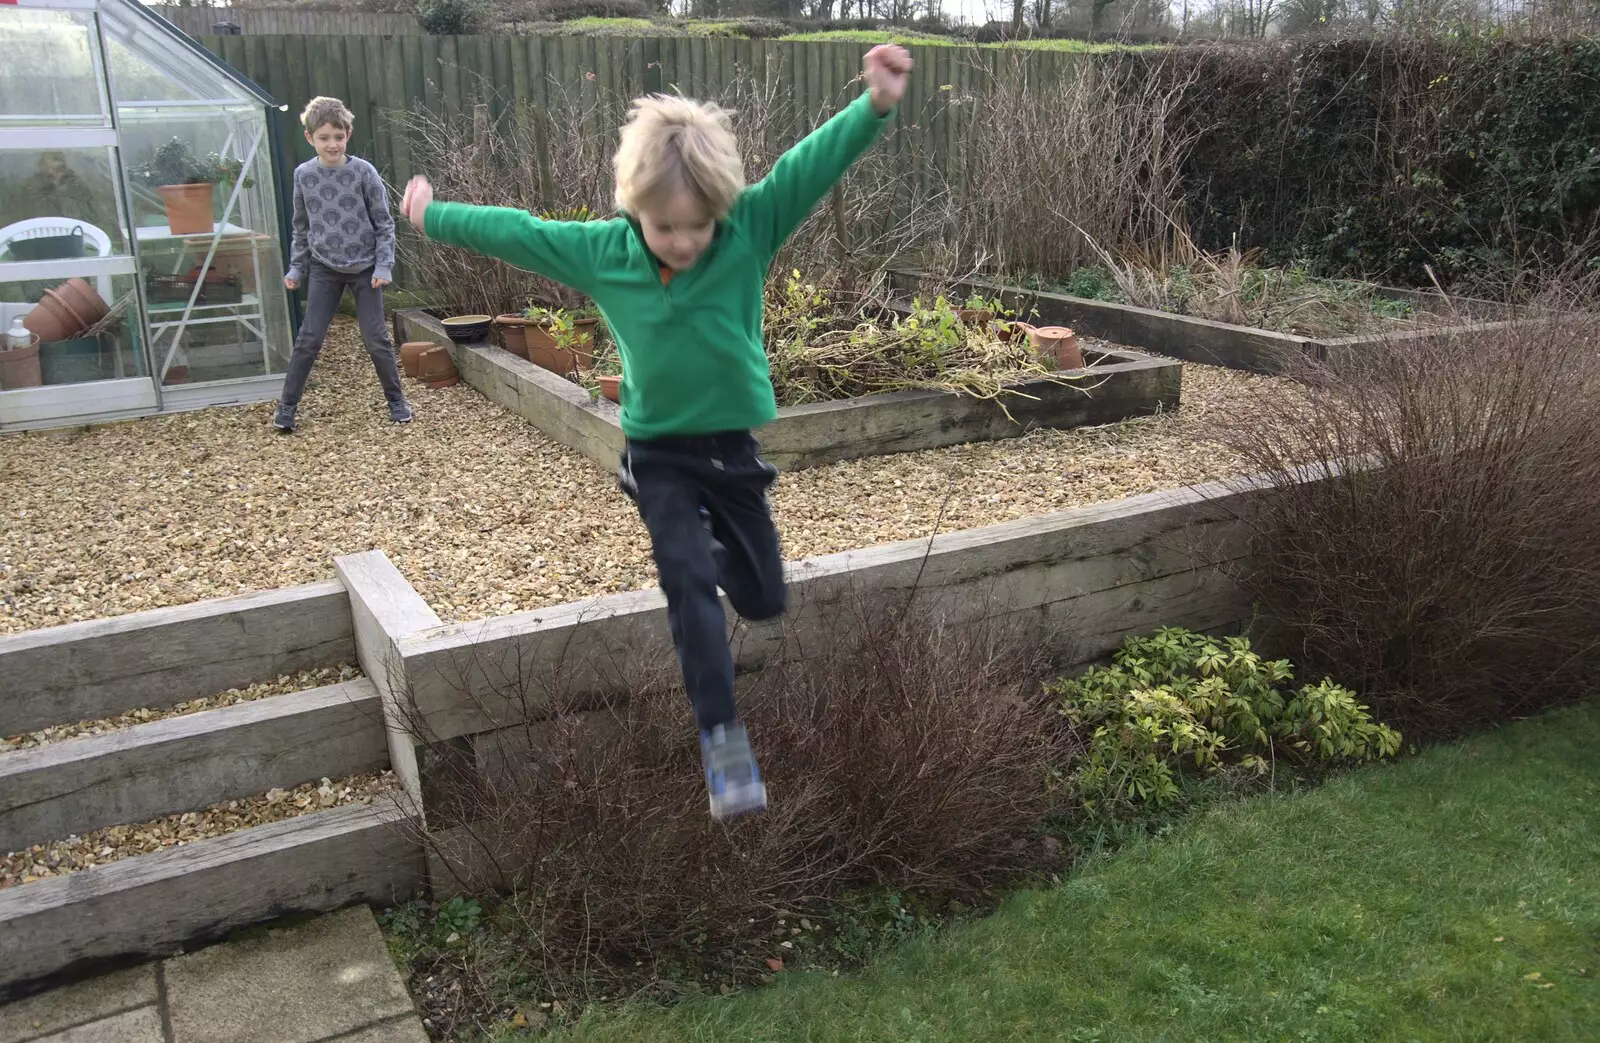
{"points": [[141, 228]]}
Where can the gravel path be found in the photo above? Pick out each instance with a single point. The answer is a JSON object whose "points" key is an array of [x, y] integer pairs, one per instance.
{"points": [[480, 511]]}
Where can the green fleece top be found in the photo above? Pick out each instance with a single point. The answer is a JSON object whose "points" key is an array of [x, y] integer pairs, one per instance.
{"points": [[691, 350]]}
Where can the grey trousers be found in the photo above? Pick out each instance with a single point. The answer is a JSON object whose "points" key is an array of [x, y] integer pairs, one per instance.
{"points": [[324, 289]]}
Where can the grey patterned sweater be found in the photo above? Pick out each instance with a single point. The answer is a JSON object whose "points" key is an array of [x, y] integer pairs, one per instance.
{"points": [[342, 219]]}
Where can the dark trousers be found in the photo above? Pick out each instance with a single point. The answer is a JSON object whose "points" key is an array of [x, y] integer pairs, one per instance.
{"points": [[671, 480], [324, 289]]}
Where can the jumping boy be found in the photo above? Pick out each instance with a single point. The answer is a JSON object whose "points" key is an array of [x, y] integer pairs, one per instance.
{"points": [[679, 278], [343, 237]]}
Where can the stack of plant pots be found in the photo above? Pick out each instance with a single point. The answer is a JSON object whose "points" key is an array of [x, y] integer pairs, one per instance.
{"points": [[436, 369], [56, 322]]}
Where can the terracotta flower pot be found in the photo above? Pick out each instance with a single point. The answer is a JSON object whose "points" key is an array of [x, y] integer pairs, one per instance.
{"points": [[435, 364], [19, 367], [543, 352], [65, 311], [411, 352], [443, 382], [189, 208], [1057, 343], [1002, 331], [610, 387], [87, 306], [974, 316], [513, 330]]}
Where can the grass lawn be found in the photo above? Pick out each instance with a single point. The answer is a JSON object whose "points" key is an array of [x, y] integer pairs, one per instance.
{"points": [[1452, 896]]}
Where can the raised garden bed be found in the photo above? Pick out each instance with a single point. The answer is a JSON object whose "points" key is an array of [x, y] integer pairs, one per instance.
{"points": [[1186, 337], [1121, 384]]}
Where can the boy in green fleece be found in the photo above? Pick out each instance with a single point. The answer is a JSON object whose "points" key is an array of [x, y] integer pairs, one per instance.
{"points": [[679, 278]]}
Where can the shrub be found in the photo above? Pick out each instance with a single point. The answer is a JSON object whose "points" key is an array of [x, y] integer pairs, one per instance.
{"points": [[1382, 156], [454, 17], [558, 159], [905, 754], [1433, 532], [568, 10], [1179, 702]]}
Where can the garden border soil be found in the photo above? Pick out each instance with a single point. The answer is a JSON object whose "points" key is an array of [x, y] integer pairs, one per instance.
{"points": [[827, 432]]}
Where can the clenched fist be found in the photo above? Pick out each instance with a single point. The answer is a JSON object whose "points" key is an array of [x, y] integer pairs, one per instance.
{"points": [[885, 68], [416, 199]]}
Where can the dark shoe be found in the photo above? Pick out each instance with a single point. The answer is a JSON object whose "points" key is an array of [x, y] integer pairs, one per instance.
{"points": [[400, 412], [283, 420]]}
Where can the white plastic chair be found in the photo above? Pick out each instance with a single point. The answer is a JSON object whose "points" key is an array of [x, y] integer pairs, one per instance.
{"points": [[39, 227]]}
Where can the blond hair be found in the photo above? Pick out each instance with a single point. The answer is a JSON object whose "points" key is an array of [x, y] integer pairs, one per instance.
{"points": [[322, 112], [671, 144]]}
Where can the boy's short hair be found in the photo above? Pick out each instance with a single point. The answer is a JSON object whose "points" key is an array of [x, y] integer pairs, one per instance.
{"points": [[323, 111], [672, 143]]}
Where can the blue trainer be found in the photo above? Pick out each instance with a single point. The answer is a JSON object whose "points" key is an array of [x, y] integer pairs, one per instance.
{"points": [[731, 776], [283, 420]]}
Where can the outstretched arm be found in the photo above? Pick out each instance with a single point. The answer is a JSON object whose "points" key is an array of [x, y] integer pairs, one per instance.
{"points": [[775, 207], [560, 250]]}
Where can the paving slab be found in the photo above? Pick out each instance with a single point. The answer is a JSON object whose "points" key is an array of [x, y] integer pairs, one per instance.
{"points": [[96, 999], [133, 1026], [320, 980]]}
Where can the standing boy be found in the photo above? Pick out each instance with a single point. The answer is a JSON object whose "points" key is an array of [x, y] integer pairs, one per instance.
{"points": [[343, 237], [680, 278]]}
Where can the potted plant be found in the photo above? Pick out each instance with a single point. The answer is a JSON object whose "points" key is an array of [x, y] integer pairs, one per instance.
{"points": [[185, 184], [607, 373], [559, 340], [978, 310], [513, 333]]}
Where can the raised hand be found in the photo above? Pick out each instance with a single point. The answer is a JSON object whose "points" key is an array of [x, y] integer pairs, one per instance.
{"points": [[886, 68]]}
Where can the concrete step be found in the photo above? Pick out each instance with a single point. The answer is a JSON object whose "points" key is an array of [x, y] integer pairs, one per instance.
{"points": [[188, 762]]}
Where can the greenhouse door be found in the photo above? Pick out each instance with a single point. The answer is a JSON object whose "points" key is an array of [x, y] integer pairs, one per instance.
{"points": [[67, 263]]}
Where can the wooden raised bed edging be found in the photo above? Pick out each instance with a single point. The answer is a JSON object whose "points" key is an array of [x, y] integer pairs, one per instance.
{"points": [[184, 763], [1081, 580], [151, 905], [1126, 385], [1181, 336], [102, 667]]}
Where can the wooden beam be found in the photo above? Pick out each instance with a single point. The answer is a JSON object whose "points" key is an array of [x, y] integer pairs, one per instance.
{"points": [[103, 667], [188, 762], [1082, 568], [386, 608], [149, 905]]}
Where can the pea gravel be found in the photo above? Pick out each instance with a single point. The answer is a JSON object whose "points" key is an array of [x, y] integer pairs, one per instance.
{"points": [[283, 685], [71, 854], [482, 513]]}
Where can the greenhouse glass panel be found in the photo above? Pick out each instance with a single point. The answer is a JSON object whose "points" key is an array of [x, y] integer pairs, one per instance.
{"points": [[140, 218]]}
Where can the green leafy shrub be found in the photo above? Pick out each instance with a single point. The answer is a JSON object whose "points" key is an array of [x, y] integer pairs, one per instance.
{"points": [[453, 17], [1178, 702]]}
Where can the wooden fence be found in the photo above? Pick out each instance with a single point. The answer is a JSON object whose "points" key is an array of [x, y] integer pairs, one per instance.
{"points": [[450, 76]]}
